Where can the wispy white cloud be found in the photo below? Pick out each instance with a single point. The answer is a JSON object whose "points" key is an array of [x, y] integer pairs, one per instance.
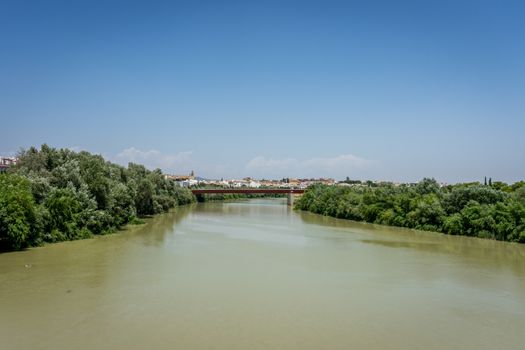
{"points": [[260, 167], [337, 166], [74, 148], [156, 159]]}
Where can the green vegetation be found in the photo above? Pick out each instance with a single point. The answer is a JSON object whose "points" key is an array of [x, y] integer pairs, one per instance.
{"points": [[234, 196], [56, 195], [495, 211], [230, 196]]}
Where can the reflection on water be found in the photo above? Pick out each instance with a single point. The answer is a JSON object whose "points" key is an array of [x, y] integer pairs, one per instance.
{"points": [[472, 249], [159, 228], [257, 275]]}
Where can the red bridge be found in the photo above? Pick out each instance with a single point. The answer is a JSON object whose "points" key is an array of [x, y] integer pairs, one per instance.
{"points": [[288, 191]]}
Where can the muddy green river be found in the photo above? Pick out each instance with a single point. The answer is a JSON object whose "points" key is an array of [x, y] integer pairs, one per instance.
{"points": [[257, 275]]}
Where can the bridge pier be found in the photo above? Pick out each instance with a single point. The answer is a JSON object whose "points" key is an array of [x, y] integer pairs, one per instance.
{"points": [[290, 199]]}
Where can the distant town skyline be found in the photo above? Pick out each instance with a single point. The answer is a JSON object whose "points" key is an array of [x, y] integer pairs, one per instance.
{"points": [[392, 91]]}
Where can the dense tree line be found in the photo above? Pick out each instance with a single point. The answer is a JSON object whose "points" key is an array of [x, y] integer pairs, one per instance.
{"points": [[496, 211], [235, 196], [230, 196], [54, 195]]}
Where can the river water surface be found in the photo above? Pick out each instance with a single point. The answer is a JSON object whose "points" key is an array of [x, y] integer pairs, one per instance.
{"points": [[257, 275]]}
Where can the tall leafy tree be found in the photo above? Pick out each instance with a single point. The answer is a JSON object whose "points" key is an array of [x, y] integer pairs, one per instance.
{"points": [[17, 212], [57, 194]]}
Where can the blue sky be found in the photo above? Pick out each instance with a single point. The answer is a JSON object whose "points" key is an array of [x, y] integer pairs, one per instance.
{"points": [[391, 90]]}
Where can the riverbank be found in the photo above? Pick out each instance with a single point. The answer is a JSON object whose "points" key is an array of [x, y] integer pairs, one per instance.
{"points": [[202, 198], [54, 195], [464, 209]]}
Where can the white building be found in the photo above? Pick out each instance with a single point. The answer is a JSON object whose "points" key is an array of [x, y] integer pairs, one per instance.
{"points": [[254, 184], [6, 162], [188, 182]]}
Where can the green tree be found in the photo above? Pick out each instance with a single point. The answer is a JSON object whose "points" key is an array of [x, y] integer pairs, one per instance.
{"points": [[17, 212], [120, 204], [427, 186], [57, 194], [64, 208], [496, 212], [95, 174], [519, 194], [144, 197]]}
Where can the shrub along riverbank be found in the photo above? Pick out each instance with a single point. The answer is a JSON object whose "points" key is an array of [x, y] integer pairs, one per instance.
{"points": [[55, 195], [234, 196], [495, 211]]}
